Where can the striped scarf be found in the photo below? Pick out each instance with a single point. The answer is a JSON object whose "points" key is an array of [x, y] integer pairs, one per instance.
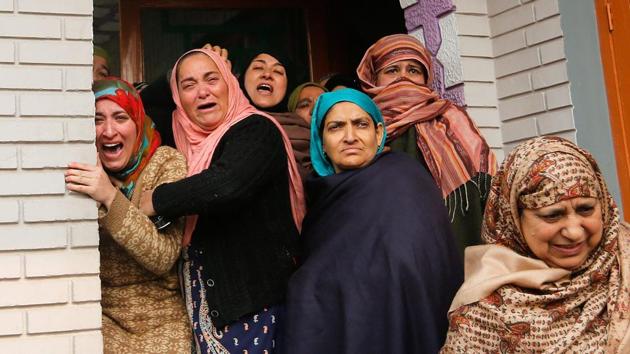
{"points": [[147, 139], [450, 142]]}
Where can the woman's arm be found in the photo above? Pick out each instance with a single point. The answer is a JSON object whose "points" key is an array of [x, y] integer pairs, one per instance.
{"points": [[252, 153], [156, 250]]}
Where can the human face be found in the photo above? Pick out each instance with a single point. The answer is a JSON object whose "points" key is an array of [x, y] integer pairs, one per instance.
{"points": [[203, 91], [565, 233], [100, 70], [349, 137], [410, 69], [115, 135], [306, 101], [265, 81]]}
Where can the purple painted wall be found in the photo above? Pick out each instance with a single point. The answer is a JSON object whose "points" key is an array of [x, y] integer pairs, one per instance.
{"points": [[426, 14]]}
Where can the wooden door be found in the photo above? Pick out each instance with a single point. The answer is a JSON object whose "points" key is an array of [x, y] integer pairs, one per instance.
{"points": [[613, 17]]}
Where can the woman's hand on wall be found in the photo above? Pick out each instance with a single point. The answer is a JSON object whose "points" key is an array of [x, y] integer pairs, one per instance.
{"points": [[91, 180]]}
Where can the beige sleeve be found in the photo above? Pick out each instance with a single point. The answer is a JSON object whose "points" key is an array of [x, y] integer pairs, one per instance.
{"points": [[155, 250]]}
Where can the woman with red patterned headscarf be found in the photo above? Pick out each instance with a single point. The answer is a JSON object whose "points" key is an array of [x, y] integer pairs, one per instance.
{"points": [[143, 311], [396, 73]]}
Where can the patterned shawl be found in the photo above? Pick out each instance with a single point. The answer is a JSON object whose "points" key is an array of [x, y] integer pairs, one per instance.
{"points": [[147, 138], [449, 140], [198, 144], [513, 302]]}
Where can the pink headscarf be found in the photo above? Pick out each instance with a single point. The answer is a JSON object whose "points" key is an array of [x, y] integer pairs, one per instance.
{"points": [[198, 144]]}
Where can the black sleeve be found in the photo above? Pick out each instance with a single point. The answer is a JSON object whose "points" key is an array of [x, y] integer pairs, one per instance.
{"points": [[251, 153]]}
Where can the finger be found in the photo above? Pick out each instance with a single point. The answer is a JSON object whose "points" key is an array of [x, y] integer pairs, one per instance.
{"points": [[207, 46], [216, 49], [224, 53], [229, 64], [81, 166], [77, 188]]}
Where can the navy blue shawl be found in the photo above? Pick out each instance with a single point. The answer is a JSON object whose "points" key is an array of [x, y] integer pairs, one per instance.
{"points": [[381, 265]]}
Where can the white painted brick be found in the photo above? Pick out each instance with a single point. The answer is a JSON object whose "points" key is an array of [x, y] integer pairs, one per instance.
{"points": [[86, 289], [550, 75], [570, 135], [55, 52], [511, 20], [471, 6], [492, 136], [406, 3], [10, 267], [497, 6], [78, 78], [6, 5], [477, 69], [57, 155], [80, 130], [7, 51], [62, 262], [552, 51], [519, 129], [61, 344], [509, 42], [480, 94], [475, 46], [555, 121], [484, 116], [546, 8], [16, 130], [78, 28], [84, 234], [34, 292], [514, 84], [543, 31], [29, 26], [517, 61], [57, 104], [88, 343], [11, 323], [8, 157], [15, 77], [7, 104], [31, 183], [558, 97], [472, 25], [521, 105], [73, 207], [31, 237], [66, 318], [9, 213], [69, 7]]}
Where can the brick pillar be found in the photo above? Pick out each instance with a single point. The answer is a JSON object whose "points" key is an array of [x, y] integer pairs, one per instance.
{"points": [[49, 260]]}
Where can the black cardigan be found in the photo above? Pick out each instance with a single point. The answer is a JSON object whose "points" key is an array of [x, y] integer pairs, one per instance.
{"points": [[245, 227]]}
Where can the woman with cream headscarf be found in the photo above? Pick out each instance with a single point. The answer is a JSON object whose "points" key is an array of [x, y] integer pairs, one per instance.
{"points": [[555, 275], [244, 205]]}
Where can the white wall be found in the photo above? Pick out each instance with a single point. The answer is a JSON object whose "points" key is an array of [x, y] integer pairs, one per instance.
{"points": [[49, 261]]}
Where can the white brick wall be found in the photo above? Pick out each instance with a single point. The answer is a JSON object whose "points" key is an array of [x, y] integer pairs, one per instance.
{"points": [[49, 261], [479, 69], [530, 66]]}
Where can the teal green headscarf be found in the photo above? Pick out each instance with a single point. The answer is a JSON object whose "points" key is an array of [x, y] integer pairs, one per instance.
{"points": [[324, 103]]}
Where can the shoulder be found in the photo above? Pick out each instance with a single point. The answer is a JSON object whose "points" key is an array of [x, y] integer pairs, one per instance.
{"points": [[166, 164], [254, 128]]}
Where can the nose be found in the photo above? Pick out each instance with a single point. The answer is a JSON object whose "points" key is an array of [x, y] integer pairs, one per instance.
{"points": [[573, 229], [108, 129], [349, 136], [203, 91], [266, 73]]}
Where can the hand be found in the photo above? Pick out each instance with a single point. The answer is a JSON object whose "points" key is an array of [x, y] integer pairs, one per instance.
{"points": [[222, 52], [91, 180], [146, 203]]}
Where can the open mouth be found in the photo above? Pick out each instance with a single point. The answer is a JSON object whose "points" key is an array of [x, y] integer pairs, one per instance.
{"points": [[264, 89], [111, 148], [204, 106]]}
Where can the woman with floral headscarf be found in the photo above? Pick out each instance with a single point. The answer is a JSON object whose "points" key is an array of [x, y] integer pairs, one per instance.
{"points": [[396, 73], [380, 263], [143, 311], [243, 204], [555, 275]]}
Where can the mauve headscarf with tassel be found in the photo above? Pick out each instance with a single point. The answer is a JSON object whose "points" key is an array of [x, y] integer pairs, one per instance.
{"points": [[198, 144], [449, 140]]}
